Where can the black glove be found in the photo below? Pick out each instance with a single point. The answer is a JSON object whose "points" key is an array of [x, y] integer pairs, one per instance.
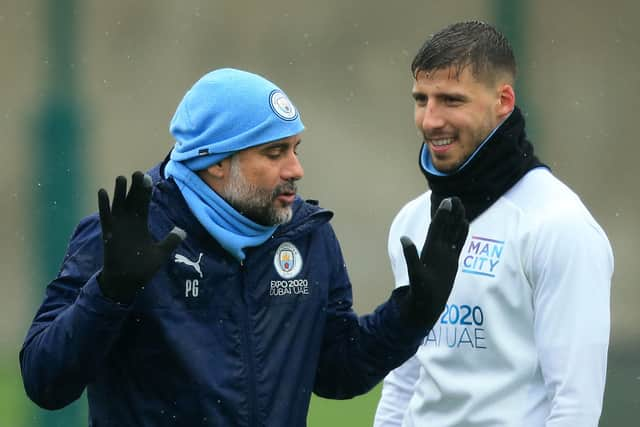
{"points": [[431, 276], [131, 256]]}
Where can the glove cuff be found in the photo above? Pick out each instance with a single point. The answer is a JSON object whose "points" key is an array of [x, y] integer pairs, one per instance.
{"points": [[116, 289], [413, 311]]}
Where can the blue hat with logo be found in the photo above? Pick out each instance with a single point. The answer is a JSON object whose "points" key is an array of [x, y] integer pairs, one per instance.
{"points": [[228, 110]]}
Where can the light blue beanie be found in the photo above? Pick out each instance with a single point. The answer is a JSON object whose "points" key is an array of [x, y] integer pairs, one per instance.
{"points": [[228, 110]]}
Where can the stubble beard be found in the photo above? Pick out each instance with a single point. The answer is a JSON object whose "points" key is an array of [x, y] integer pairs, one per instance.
{"points": [[257, 204], [478, 136]]}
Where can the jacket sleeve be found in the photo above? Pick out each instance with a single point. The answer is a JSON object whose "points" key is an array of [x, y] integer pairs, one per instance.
{"points": [[74, 327], [570, 268], [357, 352]]}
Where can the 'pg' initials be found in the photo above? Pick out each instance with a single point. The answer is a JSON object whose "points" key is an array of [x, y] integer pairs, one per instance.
{"points": [[191, 288]]}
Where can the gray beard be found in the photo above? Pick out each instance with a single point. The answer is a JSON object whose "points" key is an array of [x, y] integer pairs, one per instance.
{"points": [[255, 203]]}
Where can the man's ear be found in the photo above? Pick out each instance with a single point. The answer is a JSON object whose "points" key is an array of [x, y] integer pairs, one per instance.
{"points": [[506, 100], [216, 174], [218, 170]]}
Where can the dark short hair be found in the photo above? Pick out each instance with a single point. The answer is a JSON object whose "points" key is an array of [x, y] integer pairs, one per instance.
{"points": [[463, 44]]}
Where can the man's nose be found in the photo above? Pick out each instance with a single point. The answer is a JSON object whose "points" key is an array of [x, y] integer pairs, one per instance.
{"points": [[431, 118], [292, 170]]}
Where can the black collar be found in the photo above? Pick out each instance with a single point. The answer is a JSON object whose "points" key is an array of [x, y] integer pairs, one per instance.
{"points": [[505, 158]]}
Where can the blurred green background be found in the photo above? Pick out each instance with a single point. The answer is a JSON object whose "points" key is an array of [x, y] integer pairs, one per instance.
{"points": [[88, 88]]}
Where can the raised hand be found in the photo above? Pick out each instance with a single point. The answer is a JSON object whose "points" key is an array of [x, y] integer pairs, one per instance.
{"points": [[131, 256], [431, 275]]}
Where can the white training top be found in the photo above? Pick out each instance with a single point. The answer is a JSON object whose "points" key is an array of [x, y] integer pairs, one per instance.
{"points": [[523, 339]]}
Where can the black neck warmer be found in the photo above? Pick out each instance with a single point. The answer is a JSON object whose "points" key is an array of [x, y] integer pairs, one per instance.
{"points": [[505, 158]]}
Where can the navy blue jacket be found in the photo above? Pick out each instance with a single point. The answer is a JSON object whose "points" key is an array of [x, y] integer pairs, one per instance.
{"points": [[210, 341]]}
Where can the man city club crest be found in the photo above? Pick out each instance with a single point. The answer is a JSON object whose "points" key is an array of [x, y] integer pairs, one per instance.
{"points": [[287, 261], [281, 105]]}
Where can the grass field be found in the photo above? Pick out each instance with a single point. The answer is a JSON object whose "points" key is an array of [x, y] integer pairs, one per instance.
{"points": [[356, 412]]}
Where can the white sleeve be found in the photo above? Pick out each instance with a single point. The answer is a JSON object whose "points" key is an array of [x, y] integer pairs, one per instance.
{"points": [[399, 384], [397, 389], [571, 265], [412, 224], [396, 257]]}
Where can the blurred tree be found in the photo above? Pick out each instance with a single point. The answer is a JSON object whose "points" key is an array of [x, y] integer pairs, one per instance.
{"points": [[511, 19], [57, 167]]}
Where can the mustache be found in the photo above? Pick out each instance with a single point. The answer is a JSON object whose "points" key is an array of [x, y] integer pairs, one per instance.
{"points": [[286, 187]]}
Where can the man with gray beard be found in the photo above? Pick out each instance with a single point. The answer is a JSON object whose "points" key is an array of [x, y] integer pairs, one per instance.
{"points": [[244, 308]]}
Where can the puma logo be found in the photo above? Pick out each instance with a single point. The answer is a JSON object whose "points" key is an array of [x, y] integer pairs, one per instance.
{"points": [[195, 264]]}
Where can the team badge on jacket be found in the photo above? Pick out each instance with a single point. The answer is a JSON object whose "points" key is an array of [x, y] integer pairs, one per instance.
{"points": [[287, 261]]}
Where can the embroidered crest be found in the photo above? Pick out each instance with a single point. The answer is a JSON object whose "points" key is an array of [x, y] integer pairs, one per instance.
{"points": [[287, 260], [281, 105]]}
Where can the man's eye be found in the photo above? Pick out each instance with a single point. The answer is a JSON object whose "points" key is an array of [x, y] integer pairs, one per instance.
{"points": [[452, 101], [420, 100]]}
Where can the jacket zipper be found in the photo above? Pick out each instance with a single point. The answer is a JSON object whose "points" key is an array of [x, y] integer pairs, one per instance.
{"points": [[248, 342], [248, 346]]}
